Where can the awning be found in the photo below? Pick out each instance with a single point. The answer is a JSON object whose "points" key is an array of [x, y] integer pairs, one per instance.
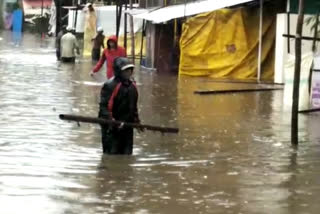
{"points": [[182, 10]]}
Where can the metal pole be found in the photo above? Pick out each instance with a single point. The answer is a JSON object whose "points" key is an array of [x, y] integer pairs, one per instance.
{"points": [[132, 34], [288, 25], [125, 42], [76, 17], [117, 18], [142, 40], [42, 8], [288, 31], [296, 81], [260, 42], [119, 13]]}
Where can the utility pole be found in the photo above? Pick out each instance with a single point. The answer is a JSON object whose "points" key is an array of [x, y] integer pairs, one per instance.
{"points": [[132, 34], [125, 25], [296, 82]]}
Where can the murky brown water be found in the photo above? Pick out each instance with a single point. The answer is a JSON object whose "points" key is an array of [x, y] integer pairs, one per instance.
{"points": [[232, 156]]}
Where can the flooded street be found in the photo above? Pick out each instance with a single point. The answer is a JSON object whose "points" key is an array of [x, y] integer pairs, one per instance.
{"points": [[232, 155]]}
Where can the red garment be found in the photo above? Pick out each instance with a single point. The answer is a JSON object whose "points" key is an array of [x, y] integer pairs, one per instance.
{"points": [[110, 55]]}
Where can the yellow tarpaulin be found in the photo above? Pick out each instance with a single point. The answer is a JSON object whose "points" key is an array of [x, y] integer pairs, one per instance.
{"points": [[137, 44], [224, 44], [89, 33]]}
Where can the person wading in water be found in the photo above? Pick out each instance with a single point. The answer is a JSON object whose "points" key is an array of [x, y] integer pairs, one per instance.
{"points": [[119, 97]]}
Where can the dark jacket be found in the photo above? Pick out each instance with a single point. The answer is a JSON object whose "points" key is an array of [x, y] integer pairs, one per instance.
{"points": [[98, 41], [118, 101]]}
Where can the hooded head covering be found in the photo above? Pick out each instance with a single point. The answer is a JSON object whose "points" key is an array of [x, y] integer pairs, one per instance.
{"points": [[112, 38], [120, 64]]}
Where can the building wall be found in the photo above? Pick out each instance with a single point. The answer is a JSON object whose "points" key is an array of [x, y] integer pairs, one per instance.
{"points": [[163, 46]]}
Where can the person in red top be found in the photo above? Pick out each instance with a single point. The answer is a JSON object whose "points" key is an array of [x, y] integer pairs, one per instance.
{"points": [[110, 53]]}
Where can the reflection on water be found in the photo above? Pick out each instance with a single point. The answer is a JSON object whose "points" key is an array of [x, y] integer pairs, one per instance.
{"points": [[232, 155]]}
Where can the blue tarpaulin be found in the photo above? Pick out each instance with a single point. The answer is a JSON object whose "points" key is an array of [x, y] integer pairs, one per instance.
{"points": [[17, 20]]}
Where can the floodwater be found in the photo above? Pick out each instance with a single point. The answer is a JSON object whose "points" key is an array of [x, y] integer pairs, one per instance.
{"points": [[232, 154]]}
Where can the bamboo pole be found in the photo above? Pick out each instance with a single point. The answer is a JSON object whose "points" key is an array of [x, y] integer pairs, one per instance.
{"points": [[296, 82]]}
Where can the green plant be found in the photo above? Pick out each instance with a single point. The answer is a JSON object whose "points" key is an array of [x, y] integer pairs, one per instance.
{"points": [[313, 21]]}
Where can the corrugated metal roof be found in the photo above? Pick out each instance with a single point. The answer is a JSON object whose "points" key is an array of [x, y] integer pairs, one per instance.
{"points": [[178, 11]]}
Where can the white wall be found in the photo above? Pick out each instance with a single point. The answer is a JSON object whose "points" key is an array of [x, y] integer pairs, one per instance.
{"points": [[281, 43], [106, 18]]}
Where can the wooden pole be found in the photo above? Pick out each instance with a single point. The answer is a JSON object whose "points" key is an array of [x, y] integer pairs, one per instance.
{"points": [[132, 34], [307, 38], [309, 111], [115, 123], [296, 81]]}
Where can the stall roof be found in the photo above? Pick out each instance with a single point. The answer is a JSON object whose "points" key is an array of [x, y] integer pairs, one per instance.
{"points": [[182, 10]]}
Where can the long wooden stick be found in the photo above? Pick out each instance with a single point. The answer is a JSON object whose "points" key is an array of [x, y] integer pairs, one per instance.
{"points": [[309, 111], [116, 123]]}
